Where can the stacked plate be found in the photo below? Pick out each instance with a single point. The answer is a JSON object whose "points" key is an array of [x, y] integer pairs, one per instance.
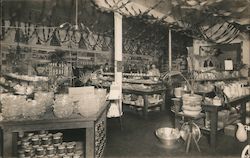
{"points": [[191, 104]]}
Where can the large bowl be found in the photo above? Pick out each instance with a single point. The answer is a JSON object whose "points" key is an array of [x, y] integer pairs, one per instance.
{"points": [[168, 136], [191, 112]]}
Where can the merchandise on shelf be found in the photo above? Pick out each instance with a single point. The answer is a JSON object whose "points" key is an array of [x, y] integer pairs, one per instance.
{"points": [[44, 144]]}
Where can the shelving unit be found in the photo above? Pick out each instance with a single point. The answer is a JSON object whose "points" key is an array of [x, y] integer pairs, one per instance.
{"points": [[37, 54]]}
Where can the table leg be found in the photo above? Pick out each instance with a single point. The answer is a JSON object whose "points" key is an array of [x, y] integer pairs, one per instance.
{"points": [[243, 113], [7, 144], [213, 128], [145, 108], [1, 142], [90, 142]]}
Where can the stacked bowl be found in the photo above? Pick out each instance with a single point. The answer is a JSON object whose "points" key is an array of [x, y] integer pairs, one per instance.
{"points": [[191, 104]]}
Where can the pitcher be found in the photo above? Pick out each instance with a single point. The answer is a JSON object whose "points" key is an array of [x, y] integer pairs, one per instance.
{"points": [[241, 133]]}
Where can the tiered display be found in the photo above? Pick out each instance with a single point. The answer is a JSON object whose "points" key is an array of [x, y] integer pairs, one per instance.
{"points": [[191, 104], [43, 144]]}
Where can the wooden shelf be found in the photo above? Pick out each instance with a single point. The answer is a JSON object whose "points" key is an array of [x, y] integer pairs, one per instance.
{"points": [[28, 78], [53, 48], [219, 79]]}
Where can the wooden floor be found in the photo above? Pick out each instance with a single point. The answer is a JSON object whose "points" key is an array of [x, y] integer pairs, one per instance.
{"points": [[137, 140]]}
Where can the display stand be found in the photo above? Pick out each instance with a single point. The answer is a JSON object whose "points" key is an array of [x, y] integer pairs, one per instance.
{"points": [[213, 110], [95, 130]]}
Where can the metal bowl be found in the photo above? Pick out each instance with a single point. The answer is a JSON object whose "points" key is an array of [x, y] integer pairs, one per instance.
{"points": [[168, 136]]}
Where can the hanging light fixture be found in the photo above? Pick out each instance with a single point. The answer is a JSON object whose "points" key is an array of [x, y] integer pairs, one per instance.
{"points": [[68, 25]]}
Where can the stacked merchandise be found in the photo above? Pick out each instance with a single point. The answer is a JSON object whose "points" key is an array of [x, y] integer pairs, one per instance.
{"points": [[46, 145], [191, 104]]}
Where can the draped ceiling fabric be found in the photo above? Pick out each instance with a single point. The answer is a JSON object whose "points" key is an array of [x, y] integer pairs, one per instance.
{"points": [[218, 21]]}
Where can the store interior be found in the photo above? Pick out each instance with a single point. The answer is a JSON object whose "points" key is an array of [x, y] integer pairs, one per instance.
{"points": [[124, 78]]}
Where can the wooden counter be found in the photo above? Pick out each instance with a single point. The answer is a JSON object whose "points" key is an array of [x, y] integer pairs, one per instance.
{"points": [[95, 130]]}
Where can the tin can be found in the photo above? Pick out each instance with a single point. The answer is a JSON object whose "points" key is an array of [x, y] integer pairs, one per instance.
{"points": [[27, 152], [45, 140], [25, 145], [21, 153], [76, 156], [61, 149], [43, 132], [42, 135], [67, 156], [50, 150], [29, 135], [40, 151], [35, 140], [57, 139], [61, 155], [71, 147], [50, 136], [80, 153], [51, 156]]}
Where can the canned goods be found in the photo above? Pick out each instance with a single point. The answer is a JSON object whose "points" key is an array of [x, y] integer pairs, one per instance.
{"points": [[57, 139], [51, 156], [50, 150], [61, 155], [29, 135], [35, 140], [80, 153], [35, 147], [25, 145], [42, 135], [21, 153], [40, 151], [76, 156], [45, 140], [66, 156], [43, 132], [50, 136], [61, 149], [71, 147], [27, 152]]}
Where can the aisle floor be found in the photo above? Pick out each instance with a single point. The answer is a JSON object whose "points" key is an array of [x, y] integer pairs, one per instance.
{"points": [[137, 140]]}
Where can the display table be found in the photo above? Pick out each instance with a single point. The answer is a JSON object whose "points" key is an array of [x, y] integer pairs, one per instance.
{"points": [[213, 110], [145, 93], [95, 130], [214, 116]]}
